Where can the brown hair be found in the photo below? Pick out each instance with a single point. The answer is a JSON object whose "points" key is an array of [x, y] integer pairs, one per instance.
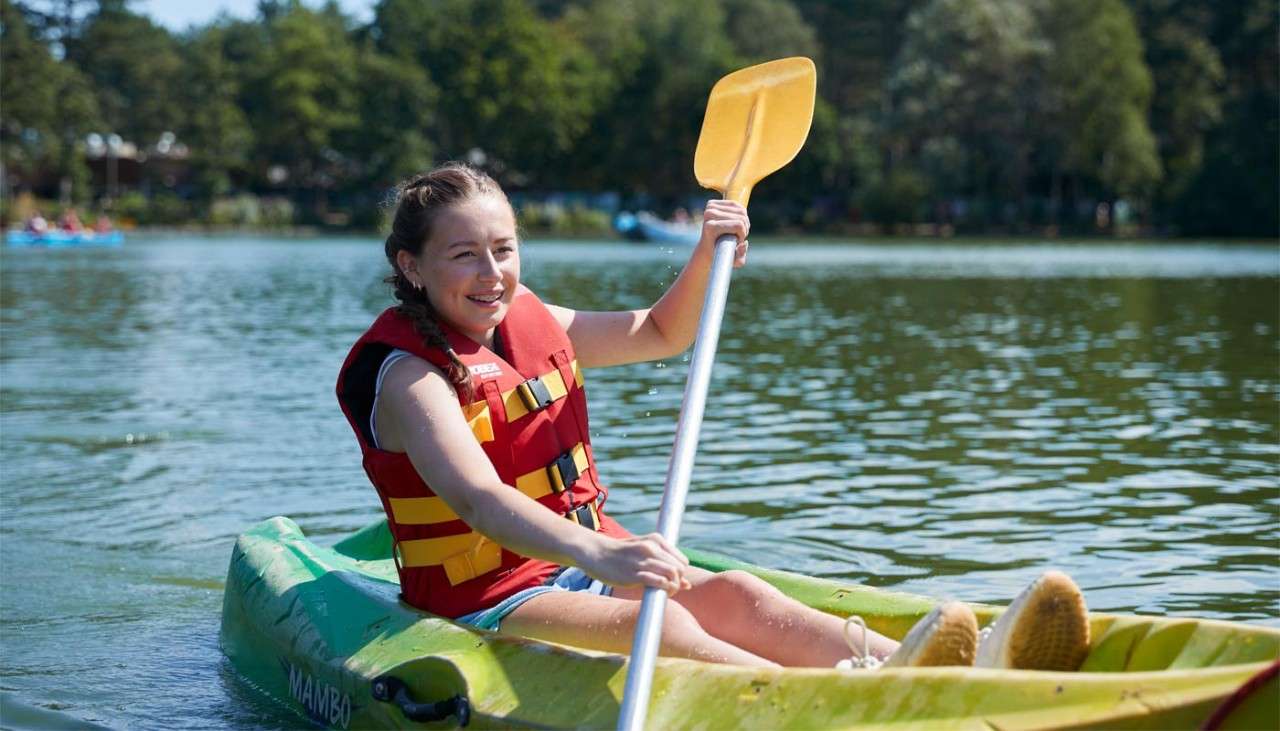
{"points": [[419, 201]]}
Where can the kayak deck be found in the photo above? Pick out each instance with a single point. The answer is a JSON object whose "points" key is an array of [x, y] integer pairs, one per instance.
{"points": [[313, 626]]}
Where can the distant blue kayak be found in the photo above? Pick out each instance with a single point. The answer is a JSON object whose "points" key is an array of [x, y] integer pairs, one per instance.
{"points": [[645, 226], [64, 238]]}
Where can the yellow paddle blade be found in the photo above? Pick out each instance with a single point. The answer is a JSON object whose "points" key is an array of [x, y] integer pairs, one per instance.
{"points": [[757, 120]]}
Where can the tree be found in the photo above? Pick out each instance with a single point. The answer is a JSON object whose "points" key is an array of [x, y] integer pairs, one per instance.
{"points": [[964, 91], [27, 117], [303, 83], [1098, 96], [42, 125], [1237, 189], [397, 104], [762, 30], [511, 85], [216, 130], [1189, 78], [834, 156], [643, 137], [133, 66], [861, 42]]}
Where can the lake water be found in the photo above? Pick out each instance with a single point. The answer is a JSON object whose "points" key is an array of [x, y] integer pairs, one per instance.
{"points": [[943, 419]]}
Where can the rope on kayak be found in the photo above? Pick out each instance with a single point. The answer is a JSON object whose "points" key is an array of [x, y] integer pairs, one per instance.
{"points": [[862, 660]]}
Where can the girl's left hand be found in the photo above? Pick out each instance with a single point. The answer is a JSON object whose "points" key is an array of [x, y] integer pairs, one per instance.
{"points": [[725, 217]]}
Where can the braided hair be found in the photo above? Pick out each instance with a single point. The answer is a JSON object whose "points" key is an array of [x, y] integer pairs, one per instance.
{"points": [[419, 201]]}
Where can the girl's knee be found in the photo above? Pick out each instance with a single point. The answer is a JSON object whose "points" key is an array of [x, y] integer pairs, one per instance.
{"points": [[742, 585], [684, 636], [742, 595]]}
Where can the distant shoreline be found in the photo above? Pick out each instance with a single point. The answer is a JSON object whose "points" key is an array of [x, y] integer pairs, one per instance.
{"points": [[994, 238]]}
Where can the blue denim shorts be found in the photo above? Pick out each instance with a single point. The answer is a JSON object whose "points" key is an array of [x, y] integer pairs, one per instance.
{"points": [[569, 578]]}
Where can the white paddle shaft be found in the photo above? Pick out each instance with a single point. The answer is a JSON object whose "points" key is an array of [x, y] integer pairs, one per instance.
{"points": [[644, 648]]}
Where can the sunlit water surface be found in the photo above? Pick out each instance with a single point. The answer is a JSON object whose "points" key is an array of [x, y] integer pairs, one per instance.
{"points": [[944, 419]]}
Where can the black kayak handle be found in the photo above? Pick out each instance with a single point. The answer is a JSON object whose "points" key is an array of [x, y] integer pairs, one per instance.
{"points": [[390, 689]]}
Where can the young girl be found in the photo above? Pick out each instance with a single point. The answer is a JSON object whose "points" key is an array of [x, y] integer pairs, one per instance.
{"points": [[468, 403]]}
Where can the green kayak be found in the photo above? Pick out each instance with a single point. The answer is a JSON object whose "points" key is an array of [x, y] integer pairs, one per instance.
{"points": [[322, 632]]}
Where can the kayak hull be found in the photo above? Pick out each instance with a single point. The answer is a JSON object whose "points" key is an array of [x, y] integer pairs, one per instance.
{"points": [[55, 239], [314, 627], [645, 226]]}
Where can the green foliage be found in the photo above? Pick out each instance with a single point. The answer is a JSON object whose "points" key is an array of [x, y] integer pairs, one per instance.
{"points": [[1237, 191], [643, 139], [999, 112], [219, 136], [558, 220], [41, 124], [303, 80], [1099, 95], [397, 104], [511, 82], [762, 30], [964, 90], [133, 66], [1188, 74], [249, 211], [898, 198], [163, 209], [29, 110]]}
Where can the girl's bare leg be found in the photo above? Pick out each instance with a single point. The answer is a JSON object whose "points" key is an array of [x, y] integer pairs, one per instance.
{"points": [[608, 623], [749, 613]]}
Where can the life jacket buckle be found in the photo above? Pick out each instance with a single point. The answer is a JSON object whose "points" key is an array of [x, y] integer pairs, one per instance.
{"points": [[586, 516], [563, 472], [534, 394]]}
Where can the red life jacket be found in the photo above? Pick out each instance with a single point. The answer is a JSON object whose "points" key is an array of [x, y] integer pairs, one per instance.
{"points": [[529, 413]]}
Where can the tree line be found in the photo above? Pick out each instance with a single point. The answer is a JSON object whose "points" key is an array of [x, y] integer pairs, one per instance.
{"points": [[983, 115]]}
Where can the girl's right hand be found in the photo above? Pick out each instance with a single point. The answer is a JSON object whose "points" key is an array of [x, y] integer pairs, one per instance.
{"points": [[648, 560]]}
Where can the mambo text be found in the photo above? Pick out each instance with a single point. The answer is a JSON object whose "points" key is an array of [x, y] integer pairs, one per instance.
{"points": [[322, 701]]}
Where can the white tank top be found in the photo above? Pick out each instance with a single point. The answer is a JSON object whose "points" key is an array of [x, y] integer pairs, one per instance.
{"points": [[392, 357]]}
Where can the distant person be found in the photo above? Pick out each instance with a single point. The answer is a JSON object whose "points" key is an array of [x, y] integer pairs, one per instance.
{"points": [[70, 221], [102, 225], [467, 401], [680, 216], [37, 224]]}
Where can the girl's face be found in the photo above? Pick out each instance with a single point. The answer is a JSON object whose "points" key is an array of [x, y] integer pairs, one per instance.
{"points": [[470, 266]]}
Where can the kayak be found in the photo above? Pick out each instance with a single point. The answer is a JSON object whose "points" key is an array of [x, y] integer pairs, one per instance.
{"points": [[64, 238], [645, 226], [322, 632]]}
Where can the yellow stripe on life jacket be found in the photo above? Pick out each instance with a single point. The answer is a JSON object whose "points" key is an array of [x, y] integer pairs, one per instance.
{"points": [[538, 483], [477, 416], [545, 481], [468, 555], [420, 510], [464, 556], [517, 403]]}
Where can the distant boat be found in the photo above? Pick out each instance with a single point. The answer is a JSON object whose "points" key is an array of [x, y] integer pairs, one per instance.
{"points": [[64, 238], [645, 226]]}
